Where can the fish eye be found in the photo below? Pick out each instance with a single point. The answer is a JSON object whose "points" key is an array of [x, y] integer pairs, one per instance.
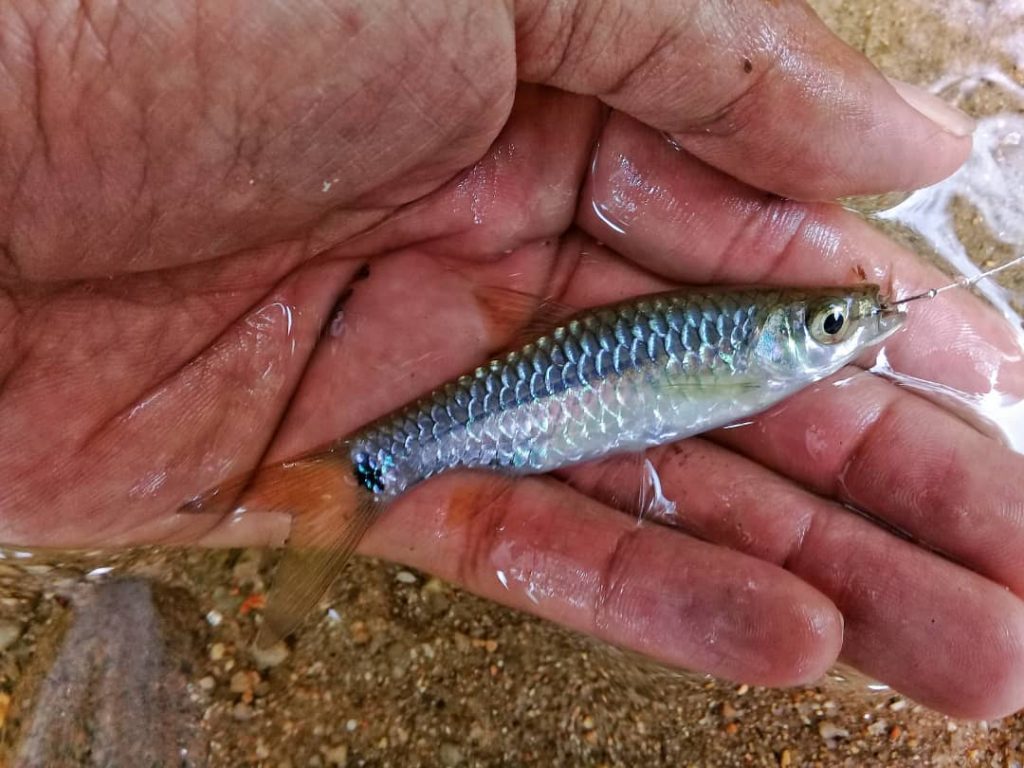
{"points": [[829, 324], [833, 322]]}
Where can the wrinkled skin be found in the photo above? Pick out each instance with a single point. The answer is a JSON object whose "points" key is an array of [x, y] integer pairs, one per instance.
{"points": [[187, 194]]}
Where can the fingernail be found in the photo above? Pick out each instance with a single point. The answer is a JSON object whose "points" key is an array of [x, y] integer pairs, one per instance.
{"points": [[946, 116]]}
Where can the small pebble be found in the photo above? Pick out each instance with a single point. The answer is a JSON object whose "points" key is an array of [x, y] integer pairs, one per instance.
{"points": [[266, 658], [360, 633], [242, 711], [262, 753], [406, 577], [351, 725], [434, 585], [10, 631], [337, 755], [214, 618], [451, 755], [785, 759], [587, 723], [241, 682], [247, 570], [831, 732], [878, 728], [254, 602], [434, 592], [97, 574], [217, 651], [207, 683]]}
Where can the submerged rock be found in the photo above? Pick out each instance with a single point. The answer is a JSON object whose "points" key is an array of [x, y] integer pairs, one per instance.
{"points": [[116, 694]]}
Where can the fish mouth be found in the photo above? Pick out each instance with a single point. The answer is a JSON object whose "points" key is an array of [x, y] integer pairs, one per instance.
{"points": [[890, 320]]}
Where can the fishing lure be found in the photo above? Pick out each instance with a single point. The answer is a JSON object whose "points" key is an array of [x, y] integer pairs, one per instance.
{"points": [[608, 380]]}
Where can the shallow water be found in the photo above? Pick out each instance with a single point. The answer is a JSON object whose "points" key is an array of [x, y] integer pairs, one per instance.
{"points": [[974, 220]]}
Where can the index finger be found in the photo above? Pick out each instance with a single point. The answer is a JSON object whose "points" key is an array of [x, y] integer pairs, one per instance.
{"points": [[677, 216]]}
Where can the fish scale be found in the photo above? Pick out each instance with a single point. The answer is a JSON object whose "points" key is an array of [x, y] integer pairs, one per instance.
{"points": [[612, 379]]}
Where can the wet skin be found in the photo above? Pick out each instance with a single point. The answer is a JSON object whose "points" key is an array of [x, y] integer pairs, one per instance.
{"points": [[185, 198]]}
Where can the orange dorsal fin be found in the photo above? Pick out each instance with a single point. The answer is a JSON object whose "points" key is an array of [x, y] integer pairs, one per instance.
{"points": [[519, 316]]}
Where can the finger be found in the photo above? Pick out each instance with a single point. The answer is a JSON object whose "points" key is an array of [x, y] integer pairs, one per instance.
{"points": [[540, 547], [761, 90], [880, 449], [677, 216], [935, 631]]}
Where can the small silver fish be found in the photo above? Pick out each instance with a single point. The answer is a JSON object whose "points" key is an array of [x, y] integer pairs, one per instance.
{"points": [[612, 379]]}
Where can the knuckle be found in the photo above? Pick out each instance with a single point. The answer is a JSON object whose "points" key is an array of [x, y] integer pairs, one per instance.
{"points": [[494, 501], [614, 577], [736, 103]]}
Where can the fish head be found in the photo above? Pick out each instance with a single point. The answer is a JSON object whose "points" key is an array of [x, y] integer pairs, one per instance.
{"points": [[810, 334]]}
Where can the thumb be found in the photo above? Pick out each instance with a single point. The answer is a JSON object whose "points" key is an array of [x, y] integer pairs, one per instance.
{"points": [[758, 88]]}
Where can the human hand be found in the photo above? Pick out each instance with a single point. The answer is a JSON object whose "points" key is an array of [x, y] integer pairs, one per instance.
{"points": [[186, 197]]}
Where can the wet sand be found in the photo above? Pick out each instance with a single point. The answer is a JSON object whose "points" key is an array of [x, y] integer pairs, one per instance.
{"points": [[404, 670]]}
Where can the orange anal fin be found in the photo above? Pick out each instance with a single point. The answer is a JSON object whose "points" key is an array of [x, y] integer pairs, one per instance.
{"points": [[519, 316]]}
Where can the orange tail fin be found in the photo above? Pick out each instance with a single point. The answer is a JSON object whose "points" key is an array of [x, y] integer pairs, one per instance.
{"points": [[330, 513]]}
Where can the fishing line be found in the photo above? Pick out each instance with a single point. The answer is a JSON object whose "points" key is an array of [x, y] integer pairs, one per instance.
{"points": [[960, 282]]}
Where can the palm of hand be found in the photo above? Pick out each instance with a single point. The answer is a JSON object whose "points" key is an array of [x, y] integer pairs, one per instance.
{"points": [[177, 321]]}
